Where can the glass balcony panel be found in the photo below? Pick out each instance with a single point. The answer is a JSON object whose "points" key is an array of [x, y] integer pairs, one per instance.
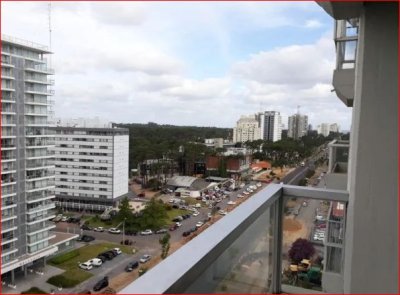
{"points": [[245, 266]]}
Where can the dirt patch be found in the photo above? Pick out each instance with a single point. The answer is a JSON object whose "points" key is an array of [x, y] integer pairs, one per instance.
{"points": [[137, 189], [291, 225]]}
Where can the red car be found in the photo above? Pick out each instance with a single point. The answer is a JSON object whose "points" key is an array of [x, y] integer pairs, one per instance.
{"points": [[174, 227]]}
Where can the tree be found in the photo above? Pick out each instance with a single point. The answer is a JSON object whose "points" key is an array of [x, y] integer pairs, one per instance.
{"points": [[154, 215], [164, 242], [125, 212], [301, 249]]}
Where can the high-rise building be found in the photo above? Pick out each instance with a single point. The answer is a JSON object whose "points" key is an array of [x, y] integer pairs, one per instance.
{"points": [[247, 129], [326, 128], [297, 126], [91, 166], [27, 168], [270, 123]]}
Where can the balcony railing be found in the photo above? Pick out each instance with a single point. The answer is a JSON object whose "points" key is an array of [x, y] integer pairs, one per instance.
{"points": [[338, 156], [241, 253]]}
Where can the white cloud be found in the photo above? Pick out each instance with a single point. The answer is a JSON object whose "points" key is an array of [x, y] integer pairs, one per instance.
{"points": [[132, 13], [312, 24]]}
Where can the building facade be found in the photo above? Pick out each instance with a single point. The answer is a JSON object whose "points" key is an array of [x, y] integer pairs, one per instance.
{"points": [[298, 125], [27, 168], [326, 128], [247, 129], [270, 123], [91, 167]]}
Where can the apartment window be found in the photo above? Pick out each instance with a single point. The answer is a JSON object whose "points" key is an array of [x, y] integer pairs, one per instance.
{"points": [[103, 182]]}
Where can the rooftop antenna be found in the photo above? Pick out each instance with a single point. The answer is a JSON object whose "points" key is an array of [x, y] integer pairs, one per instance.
{"points": [[50, 110], [298, 110]]}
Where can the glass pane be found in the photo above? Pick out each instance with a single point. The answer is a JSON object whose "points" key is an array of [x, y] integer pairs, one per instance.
{"points": [[245, 266]]}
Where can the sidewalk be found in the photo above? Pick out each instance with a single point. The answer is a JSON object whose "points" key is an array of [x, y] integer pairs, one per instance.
{"points": [[33, 279]]}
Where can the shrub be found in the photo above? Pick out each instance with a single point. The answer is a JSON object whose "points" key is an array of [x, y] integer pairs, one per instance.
{"points": [[62, 281], [34, 290], [64, 257]]}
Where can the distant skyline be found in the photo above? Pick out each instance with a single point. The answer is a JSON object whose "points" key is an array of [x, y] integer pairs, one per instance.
{"points": [[191, 63]]}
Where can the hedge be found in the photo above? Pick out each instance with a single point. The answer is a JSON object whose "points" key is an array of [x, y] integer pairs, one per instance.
{"points": [[64, 257], [62, 281], [34, 290]]}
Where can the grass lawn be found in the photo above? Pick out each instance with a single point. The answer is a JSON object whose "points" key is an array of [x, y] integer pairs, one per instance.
{"points": [[73, 275], [93, 221]]}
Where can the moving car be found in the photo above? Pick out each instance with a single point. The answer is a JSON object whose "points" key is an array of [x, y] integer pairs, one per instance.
{"points": [[146, 232], [145, 258], [131, 266], [114, 230], [99, 229], [101, 284], [86, 265]]}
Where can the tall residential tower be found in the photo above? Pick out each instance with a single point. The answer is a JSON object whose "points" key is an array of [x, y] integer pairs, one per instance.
{"points": [[298, 126], [27, 168], [270, 125]]}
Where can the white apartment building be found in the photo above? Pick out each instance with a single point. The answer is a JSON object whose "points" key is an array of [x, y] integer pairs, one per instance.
{"points": [[27, 170], [297, 126], [91, 167], [247, 129], [270, 123], [326, 128]]}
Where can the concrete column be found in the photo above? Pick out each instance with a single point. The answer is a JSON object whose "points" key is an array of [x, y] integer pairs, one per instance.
{"points": [[25, 271], [371, 245], [13, 277]]}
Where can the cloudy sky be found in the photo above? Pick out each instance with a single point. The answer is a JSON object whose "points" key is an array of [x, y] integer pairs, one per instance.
{"points": [[194, 63]]}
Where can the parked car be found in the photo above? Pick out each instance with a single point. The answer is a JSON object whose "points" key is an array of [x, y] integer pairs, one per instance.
{"points": [[222, 212], [196, 213], [178, 224], [64, 218], [58, 218], [126, 242], [117, 250], [85, 238], [198, 205], [146, 232], [131, 232], [99, 229], [131, 266], [193, 229], [102, 257], [186, 233], [96, 261], [145, 258], [246, 193], [177, 219], [231, 203], [85, 227], [304, 204], [86, 265], [101, 284], [172, 228], [258, 184], [199, 224], [114, 230], [240, 196]]}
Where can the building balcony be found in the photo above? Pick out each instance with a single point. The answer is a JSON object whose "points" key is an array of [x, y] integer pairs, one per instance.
{"points": [[39, 197], [338, 156], [37, 219], [36, 209], [37, 228], [8, 238], [39, 80], [241, 253], [40, 91], [8, 226], [39, 69]]}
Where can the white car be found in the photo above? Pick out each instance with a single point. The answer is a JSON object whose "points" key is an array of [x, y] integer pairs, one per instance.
{"points": [[86, 265], [145, 258], [114, 230], [258, 184], [64, 218], [240, 196], [100, 229], [248, 189], [199, 224], [246, 193], [196, 213], [178, 224], [118, 250], [222, 212], [95, 262], [242, 185], [146, 232], [231, 203], [198, 205]]}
